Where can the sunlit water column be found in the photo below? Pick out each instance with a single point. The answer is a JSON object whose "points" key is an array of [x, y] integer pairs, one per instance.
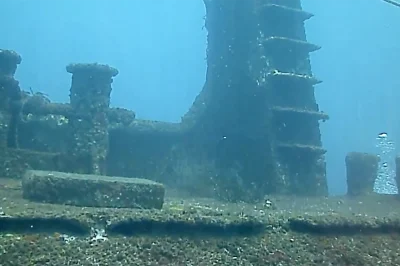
{"points": [[90, 99], [385, 183]]}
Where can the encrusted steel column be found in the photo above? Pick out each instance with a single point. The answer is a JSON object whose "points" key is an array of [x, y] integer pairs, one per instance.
{"points": [[287, 79], [228, 120], [90, 99], [10, 95]]}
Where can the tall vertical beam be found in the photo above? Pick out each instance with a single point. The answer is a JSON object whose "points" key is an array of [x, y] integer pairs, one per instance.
{"points": [[289, 83], [229, 117]]}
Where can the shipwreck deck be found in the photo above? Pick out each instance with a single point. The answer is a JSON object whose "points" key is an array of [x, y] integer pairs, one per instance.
{"points": [[280, 231]]}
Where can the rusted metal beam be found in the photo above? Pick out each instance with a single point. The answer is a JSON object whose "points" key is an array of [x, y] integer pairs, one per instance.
{"points": [[395, 3]]}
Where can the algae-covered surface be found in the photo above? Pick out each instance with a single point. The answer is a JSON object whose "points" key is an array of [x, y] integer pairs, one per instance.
{"points": [[92, 190], [277, 231]]}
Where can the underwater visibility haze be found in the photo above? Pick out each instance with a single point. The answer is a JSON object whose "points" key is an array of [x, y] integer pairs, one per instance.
{"points": [[201, 132]]}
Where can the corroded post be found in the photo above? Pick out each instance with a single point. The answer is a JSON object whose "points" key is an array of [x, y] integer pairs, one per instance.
{"points": [[90, 98], [10, 95], [397, 177], [362, 170]]}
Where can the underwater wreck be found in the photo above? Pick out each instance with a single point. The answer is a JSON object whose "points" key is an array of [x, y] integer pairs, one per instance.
{"points": [[94, 178], [253, 130]]}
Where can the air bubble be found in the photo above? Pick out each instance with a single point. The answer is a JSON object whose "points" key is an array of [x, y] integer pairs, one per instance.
{"points": [[385, 182]]}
